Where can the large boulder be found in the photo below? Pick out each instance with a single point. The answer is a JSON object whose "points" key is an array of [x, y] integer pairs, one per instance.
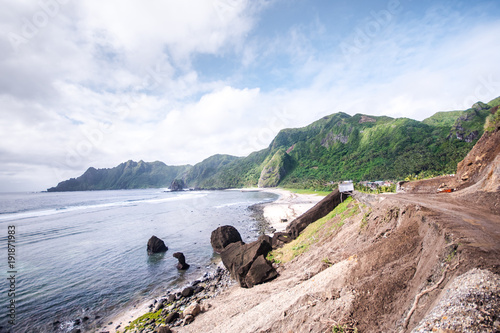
{"points": [[223, 236], [260, 271], [319, 210], [181, 265], [156, 245], [193, 310], [247, 262]]}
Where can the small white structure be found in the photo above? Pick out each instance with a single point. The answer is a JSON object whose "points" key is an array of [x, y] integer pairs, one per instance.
{"points": [[346, 186]]}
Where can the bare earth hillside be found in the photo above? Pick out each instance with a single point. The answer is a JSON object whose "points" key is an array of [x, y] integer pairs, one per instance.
{"points": [[418, 261]]}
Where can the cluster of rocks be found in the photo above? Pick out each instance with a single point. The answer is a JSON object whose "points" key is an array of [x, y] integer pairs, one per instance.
{"points": [[179, 308], [247, 263], [78, 325], [156, 245]]}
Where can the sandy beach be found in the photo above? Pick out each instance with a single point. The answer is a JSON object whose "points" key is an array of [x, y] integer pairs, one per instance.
{"points": [[288, 207]]}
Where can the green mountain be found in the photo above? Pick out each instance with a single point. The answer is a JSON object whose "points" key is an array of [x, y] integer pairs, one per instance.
{"points": [[128, 175], [205, 174], [360, 147], [336, 147]]}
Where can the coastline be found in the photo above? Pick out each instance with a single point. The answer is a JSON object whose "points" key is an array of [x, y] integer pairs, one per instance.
{"points": [[279, 213], [271, 217]]}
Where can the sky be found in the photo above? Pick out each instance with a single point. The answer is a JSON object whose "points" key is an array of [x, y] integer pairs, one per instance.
{"points": [[97, 83]]}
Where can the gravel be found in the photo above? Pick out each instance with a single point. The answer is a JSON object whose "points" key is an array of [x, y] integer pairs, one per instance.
{"points": [[471, 303]]}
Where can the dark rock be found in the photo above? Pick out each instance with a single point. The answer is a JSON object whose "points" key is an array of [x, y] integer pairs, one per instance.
{"points": [[177, 185], [223, 236], [280, 238], [182, 261], [57, 322], [164, 329], [77, 322], [260, 271], [172, 317], [85, 318], [320, 210], [159, 306], [239, 258], [187, 292], [171, 298], [198, 289], [267, 238], [156, 245]]}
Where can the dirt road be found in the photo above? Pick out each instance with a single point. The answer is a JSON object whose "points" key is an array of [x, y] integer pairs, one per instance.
{"points": [[470, 224]]}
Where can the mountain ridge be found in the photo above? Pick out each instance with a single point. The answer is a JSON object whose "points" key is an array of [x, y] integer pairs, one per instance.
{"points": [[330, 149]]}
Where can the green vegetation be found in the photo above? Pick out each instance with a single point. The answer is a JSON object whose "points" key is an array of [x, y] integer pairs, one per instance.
{"points": [[141, 322], [275, 169], [494, 102], [443, 119], [327, 262], [334, 148], [364, 221], [207, 169], [493, 121], [344, 329], [127, 175], [315, 231], [380, 189], [303, 191], [271, 258], [340, 147]]}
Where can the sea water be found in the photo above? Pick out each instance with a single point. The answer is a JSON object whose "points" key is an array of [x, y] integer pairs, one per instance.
{"points": [[83, 254]]}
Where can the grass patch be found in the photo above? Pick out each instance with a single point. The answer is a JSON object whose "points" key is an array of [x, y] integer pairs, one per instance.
{"points": [[299, 191], [312, 233], [140, 323], [364, 220], [271, 257], [327, 261], [344, 329]]}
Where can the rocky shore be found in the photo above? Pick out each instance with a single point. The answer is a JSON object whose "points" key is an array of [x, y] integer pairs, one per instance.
{"points": [[176, 307], [170, 309]]}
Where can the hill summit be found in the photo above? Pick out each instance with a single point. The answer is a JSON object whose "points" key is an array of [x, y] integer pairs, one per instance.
{"points": [[333, 148]]}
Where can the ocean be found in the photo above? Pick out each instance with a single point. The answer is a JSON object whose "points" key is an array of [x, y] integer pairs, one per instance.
{"points": [[80, 255]]}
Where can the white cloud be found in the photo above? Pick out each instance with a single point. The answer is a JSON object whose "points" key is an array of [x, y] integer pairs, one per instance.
{"points": [[104, 82]]}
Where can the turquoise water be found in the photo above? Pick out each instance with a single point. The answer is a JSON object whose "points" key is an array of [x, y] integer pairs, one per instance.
{"points": [[83, 254]]}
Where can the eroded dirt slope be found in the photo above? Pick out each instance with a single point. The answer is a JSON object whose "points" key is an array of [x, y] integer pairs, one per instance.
{"points": [[362, 268], [382, 263]]}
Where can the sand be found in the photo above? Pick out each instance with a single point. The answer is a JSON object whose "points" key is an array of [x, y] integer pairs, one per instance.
{"points": [[288, 207]]}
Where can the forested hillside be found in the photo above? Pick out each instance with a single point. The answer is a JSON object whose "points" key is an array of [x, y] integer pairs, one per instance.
{"points": [[334, 148]]}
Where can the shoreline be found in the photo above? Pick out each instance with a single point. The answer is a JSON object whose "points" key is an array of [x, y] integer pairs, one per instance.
{"points": [[214, 281], [286, 208], [270, 217]]}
